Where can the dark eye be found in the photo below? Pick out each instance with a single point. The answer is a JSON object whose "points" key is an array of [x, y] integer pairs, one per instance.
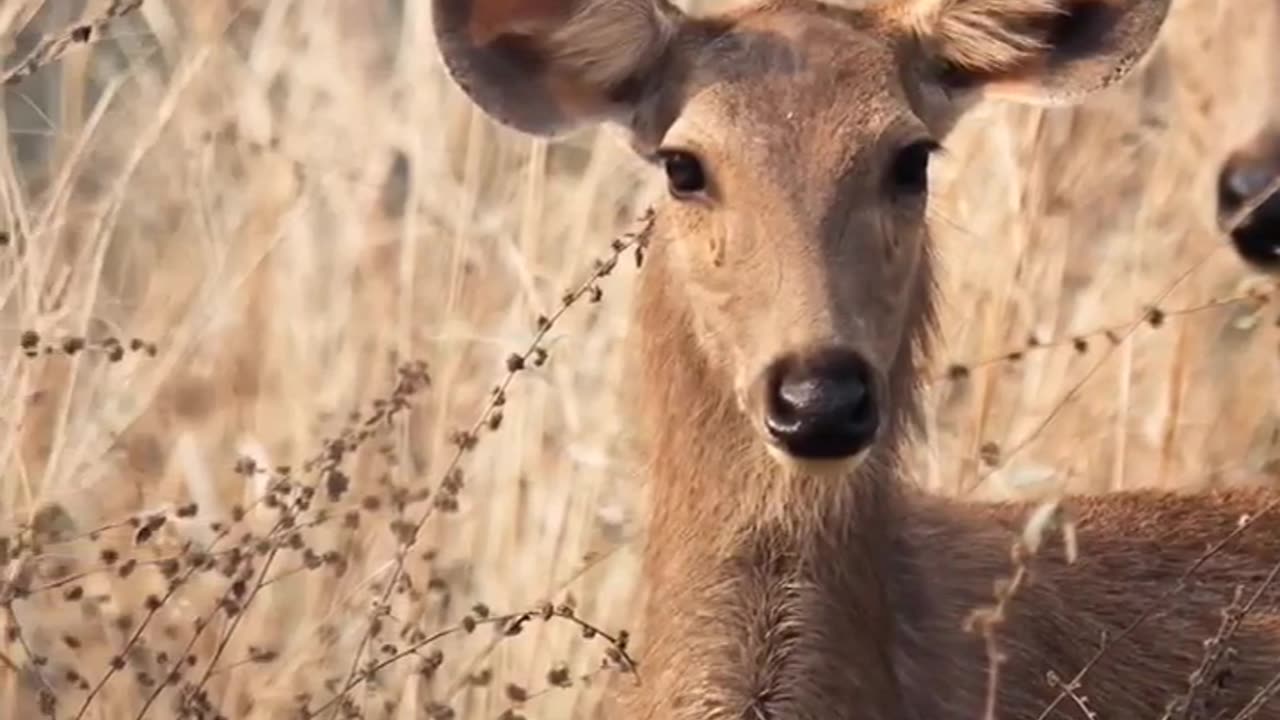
{"points": [[684, 173], [909, 174]]}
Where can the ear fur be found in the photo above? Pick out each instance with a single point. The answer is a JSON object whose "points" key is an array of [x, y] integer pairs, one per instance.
{"points": [[546, 67], [1041, 52]]}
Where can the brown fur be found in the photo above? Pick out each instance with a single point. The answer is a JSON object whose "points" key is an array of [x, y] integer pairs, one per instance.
{"points": [[779, 590], [979, 36]]}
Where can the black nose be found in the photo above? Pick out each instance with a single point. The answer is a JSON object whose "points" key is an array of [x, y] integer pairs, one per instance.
{"points": [[1257, 236], [822, 405]]}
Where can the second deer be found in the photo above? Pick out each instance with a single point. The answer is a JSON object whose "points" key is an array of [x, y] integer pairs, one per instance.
{"points": [[780, 333]]}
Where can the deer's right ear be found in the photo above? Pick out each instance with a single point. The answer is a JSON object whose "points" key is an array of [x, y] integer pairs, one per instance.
{"points": [[548, 66], [1041, 52]]}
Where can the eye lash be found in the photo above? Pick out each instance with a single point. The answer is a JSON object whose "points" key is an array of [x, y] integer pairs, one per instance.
{"points": [[935, 147], [665, 152]]}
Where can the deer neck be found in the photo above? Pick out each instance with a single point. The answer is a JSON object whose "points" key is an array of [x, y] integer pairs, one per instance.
{"points": [[768, 590]]}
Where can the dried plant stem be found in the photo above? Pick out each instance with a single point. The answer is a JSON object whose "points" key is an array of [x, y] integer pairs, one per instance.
{"points": [[236, 619], [1157, 604], [1216, 648], [634, 240], [52, 48], [1268, 691], [17, 633], [512, 625], [118, 661], [1151, 316]]}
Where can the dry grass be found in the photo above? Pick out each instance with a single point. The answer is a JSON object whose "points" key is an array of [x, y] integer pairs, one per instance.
{"points": [[284, 202]]}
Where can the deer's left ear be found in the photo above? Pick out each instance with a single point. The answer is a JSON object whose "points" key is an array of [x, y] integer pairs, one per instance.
{"points": [[1039, 52]]}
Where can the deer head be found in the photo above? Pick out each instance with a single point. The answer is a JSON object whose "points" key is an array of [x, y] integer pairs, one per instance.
{"points": [[796, 138]]}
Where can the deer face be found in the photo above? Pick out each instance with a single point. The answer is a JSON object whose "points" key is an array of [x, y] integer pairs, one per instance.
{"points": [[795, 138]]}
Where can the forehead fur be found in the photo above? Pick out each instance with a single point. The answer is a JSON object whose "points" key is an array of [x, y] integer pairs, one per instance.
{"points": [[776, 65], [784, 37]]}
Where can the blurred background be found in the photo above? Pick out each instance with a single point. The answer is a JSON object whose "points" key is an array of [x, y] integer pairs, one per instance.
{"points": [[230, 231]]}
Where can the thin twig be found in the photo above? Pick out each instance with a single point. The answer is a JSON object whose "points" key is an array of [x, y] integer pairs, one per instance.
{"points": [[1268, 691], [1235, 221], [17, 633], [118, 661], [1232, 617], [1110, 332], [239, 615], [53, 47], [1158, 604]]}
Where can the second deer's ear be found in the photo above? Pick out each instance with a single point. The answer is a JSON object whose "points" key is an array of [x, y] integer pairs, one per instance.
{"points": [[548, 66], [1039, 52]]}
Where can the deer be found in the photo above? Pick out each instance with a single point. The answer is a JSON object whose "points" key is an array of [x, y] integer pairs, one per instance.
{"points": [[782, 321]]}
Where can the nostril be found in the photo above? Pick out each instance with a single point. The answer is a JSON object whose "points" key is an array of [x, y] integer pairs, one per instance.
{"points": [[1239, 184], [1246, 183], [861, 411], [1250, 181], [822, 405]]}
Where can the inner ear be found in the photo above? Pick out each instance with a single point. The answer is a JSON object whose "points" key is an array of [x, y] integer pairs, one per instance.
{"points": [[492, 19], [546, 67], [1081, 29], [1044, 52]]}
